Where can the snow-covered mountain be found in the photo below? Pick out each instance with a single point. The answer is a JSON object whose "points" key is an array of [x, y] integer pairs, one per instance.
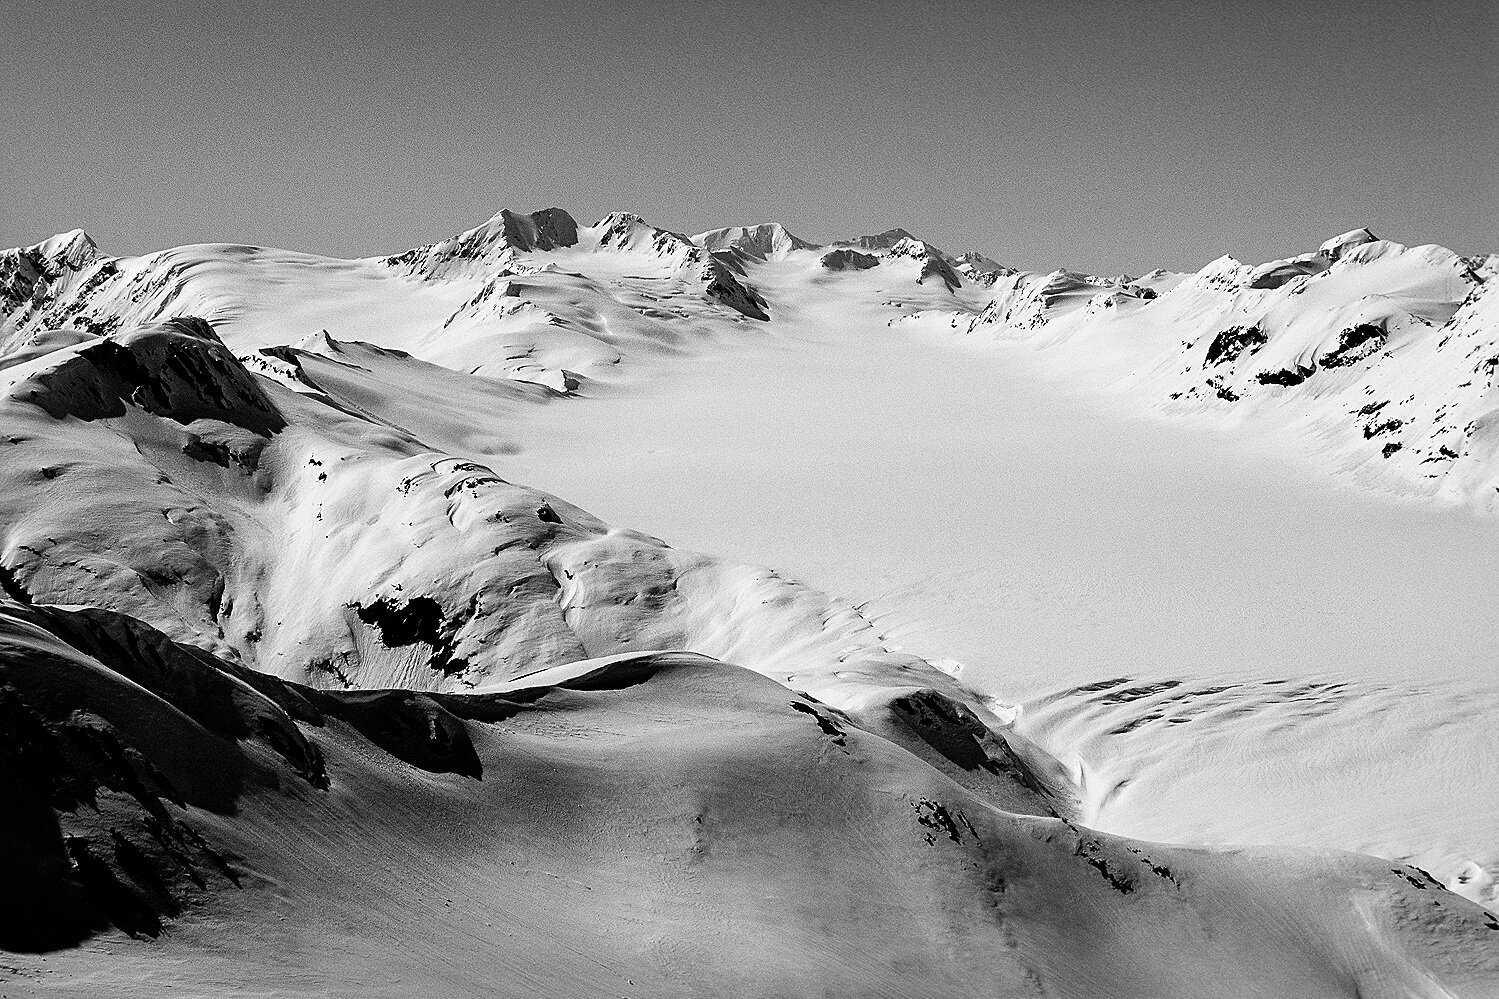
{"points": [[290, 669], [1384, 354]]}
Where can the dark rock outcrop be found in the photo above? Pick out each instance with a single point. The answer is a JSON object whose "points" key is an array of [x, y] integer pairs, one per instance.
{"points": [[1355, 344], [848, 260], [1233, 342], [179, 369]]}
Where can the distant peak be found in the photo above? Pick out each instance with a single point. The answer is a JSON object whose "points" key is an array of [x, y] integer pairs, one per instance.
{"points": [[73, 249], [491, 247], [617, 219], [977, 267], [626, 230], [880, 241], [1333, 248], [764, 239], [548, 229]]}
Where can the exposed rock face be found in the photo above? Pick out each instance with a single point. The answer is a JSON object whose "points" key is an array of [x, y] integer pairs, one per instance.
{"points": [[111, 736], [1355, 344], [848, 260], [718, 273], [548, 229], [1294, 375], [721, 283], [1231, 343], [1314, 339], [933, 263], [179, 369], [32, 275], [24, 268], [628, 231], [491, 246]]}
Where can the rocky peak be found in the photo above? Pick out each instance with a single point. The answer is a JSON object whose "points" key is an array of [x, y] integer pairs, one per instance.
{"points": [[767, 239]]}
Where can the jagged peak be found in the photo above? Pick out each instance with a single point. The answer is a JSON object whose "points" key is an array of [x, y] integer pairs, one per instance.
{"points": [[494, 244], [628, 231], [614, 219], [880, 241], [74, 247], [913, 247], [977, 263], [763, 239], [321, 342], [629, 222], [548, 229], [71, 250]]}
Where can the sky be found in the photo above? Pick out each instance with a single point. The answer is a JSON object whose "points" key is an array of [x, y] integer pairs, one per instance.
{"points": [[1102, 136]]}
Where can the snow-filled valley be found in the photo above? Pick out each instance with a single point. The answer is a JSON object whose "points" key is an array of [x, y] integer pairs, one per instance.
{"points": [[611, 611]]}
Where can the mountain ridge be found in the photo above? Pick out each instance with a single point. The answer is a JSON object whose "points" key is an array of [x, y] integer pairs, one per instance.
{"points": [[257, 517]]}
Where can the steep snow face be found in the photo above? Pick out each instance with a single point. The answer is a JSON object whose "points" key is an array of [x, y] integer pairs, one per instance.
{"points": [[1382, 354], [717, 273], [490, 247], [42, 271], [933, 262], [980, 269]]}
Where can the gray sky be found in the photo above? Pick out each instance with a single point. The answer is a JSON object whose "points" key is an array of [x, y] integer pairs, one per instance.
{"points": [[1105, 136]]}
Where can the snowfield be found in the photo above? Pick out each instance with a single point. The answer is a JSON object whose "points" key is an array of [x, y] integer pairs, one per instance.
{"points": [[601, 610]]}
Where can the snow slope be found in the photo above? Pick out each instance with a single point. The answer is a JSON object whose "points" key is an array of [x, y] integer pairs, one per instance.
{"points": [[275, 598], [649, 825], [1383, 355]]}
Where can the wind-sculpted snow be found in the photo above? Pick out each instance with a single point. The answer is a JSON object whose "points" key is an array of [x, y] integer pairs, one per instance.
{"points": [[506, 831], [283, 646]]}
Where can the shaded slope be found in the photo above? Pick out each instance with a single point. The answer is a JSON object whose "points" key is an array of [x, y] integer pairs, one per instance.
{"points": [[761, 822]]}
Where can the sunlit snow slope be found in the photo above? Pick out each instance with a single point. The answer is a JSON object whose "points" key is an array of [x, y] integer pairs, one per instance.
{"points": [[298, 688]]}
